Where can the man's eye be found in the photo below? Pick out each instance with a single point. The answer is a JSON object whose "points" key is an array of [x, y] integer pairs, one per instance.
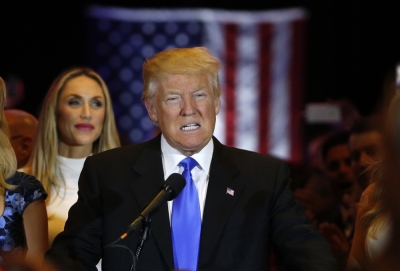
{"points": [[172, 99], [372, 152], [199, 95]]}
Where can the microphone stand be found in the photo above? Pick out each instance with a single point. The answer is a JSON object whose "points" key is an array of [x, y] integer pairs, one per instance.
{"points": [[142, 238]]}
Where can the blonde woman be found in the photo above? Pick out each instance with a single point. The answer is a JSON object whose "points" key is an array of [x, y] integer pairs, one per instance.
{"points": [[76, 120], [374, 223], [23, 220]]}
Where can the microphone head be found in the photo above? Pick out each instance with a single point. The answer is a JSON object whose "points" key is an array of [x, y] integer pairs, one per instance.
{"points": [[174, 185]]}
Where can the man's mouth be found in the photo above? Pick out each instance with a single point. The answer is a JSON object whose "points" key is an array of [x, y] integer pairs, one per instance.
{"points": [[189, 127]]}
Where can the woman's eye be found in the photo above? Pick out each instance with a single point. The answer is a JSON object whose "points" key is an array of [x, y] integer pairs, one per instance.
{"points": [[73, 102], [98, 104]]}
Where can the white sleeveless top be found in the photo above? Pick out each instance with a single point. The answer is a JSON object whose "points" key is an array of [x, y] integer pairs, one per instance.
{"points": [[58, 207]]}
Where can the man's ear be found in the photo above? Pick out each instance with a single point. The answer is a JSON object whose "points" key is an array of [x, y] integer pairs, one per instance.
{"points": [[217, 103], [151, 110]]}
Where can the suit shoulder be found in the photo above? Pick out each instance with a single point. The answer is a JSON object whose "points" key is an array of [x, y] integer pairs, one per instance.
{"points": [[242, 155], [124, 152]]}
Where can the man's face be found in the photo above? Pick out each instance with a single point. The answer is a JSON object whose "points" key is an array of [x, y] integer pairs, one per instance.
{"points": [[185, 109], [364, 148], [338, 167]]}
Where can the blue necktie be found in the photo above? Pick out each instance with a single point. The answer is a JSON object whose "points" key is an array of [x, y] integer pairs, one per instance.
{"points": [[186, 221]]}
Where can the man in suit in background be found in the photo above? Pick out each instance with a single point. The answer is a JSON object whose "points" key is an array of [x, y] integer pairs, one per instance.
{"points": [[245, 202], [23, 126]]}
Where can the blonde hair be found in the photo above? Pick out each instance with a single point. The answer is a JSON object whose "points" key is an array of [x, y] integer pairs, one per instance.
{"points": [[190, 61], [44, 158], [8, 161], [377, 217]]}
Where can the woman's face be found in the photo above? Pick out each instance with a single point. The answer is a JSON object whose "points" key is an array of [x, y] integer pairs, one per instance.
{"points": [[80, 112]]}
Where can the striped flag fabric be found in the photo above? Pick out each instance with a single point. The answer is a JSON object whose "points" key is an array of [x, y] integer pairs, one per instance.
{"points": [[262, 55]]}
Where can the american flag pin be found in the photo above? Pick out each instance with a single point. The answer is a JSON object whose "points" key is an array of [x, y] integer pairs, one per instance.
{"points": [[230, 191]]}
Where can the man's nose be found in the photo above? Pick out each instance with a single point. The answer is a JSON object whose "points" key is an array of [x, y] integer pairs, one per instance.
{"points": [[188, 107]]}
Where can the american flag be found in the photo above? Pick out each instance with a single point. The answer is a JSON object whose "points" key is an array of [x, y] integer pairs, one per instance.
{"points": [[229, 191], [262, 55]]}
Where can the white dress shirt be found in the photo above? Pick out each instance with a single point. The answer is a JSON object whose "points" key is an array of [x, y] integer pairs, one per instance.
{"points": [[200, 174]]}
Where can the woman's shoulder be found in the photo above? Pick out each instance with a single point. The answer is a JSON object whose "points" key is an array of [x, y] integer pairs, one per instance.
{"points": [[20, 178], [368, 196], [27, 185], [370, 190]]}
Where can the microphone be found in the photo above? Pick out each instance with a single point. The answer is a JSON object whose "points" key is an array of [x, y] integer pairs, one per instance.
{"points": [[172, 187]]}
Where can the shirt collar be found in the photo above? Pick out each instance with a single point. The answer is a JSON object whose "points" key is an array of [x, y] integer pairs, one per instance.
{"points": [[172, 156]]}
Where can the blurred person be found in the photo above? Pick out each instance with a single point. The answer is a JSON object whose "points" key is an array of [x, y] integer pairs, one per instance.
{"points": [[325, 211], [316, 197], [76, 120], [242, 199], [22, 127], [23, 220], [365, 143], [338, 227], [341, 176], [389, 260], [375, 244], [337, 163]]}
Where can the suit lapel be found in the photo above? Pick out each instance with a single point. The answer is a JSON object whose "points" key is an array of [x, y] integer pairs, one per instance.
{"points": [[218, 203], [148, 184]]}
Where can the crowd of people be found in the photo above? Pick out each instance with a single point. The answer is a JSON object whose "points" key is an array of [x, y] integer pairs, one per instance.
{"points": [[68, 189]]}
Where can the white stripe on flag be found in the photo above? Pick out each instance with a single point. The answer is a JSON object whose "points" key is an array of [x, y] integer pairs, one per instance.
{"points": [[213, 40], [279, 118], [247, 79]]}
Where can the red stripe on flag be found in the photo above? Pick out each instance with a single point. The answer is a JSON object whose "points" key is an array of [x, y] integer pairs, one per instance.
{"points": [[264, 86], [296, 91], [231, 31]]}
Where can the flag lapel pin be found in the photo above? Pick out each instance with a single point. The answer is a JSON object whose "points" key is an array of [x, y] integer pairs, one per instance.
{"points": [[230, 191]]}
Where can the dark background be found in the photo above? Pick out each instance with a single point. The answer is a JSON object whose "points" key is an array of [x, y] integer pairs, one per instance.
{"points": [[351, 45]]}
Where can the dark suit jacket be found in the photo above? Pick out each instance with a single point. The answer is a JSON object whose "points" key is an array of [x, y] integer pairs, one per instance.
{"points": [[237, 230]]}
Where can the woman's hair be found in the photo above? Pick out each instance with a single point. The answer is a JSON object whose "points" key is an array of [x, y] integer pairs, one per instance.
{"points": [[44, 158], [188, 61], [376, 218], [8, 161]]}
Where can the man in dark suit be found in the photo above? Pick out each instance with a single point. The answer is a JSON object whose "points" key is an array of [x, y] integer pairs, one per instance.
{"points": [[245, 201]]}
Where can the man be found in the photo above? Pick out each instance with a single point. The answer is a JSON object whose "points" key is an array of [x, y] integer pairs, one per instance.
{"points": [[22, 127], [244, 198], [337, 162], [365, 144], [337, 224]]}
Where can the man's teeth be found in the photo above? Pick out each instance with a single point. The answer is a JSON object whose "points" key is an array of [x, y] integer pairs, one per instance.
{"points": [[190, 127]]}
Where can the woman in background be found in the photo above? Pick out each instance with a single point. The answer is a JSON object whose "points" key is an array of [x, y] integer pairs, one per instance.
{"points": [[76, 120], [23, 220], [374, 223]]}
